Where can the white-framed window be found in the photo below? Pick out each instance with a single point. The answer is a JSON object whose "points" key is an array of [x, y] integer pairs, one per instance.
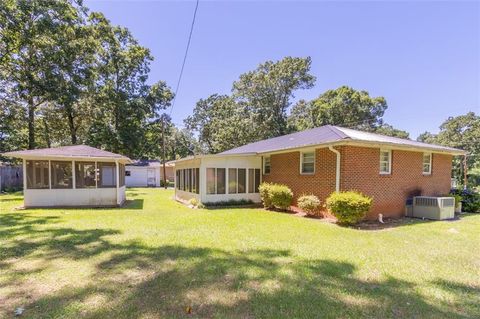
{"points": [[385, 161], [266, 165], [427, 163], [216, 178], [307, 162]]}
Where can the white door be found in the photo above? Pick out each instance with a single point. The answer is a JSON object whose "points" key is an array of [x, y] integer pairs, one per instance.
{"points": [[151, 181]]}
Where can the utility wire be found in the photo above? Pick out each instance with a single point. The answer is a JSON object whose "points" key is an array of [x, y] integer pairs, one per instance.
{"points": [[185, 57]]}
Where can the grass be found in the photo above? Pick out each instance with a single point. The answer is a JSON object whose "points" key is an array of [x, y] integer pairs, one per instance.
{"points": [[158, 259]]}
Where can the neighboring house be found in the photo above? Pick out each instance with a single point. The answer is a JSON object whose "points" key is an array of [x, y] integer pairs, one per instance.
{"points": [[147, 173], [320, 161], [77, 175]]}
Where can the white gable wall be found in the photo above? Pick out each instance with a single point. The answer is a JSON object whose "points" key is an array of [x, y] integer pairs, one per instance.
{"points": [[139, 176]]}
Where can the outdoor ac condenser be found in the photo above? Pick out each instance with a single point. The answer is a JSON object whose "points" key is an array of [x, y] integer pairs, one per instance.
{"points": [[433, 207]]}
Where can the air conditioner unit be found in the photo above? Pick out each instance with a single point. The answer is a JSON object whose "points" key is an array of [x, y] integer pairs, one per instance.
{"points": [[433, 207]]}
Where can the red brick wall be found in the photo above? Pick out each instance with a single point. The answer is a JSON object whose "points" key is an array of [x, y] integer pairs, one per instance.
{"points": [[360, 171], [285, 169]]}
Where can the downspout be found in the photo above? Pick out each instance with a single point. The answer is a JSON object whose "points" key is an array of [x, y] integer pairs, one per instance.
{"points": [[337, 169]]}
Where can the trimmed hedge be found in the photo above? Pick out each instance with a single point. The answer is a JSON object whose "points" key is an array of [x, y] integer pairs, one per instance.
{"points": [[310, 204], [349, 207], [276, 195]]}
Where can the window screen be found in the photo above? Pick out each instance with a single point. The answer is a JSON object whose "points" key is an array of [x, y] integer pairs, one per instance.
{"points": [[37, 174], [61, 174], [107, 174], [242, 180], [221, 180], [251, 180], [257, 179], [85, 175], [210, 180], [232, 180]]}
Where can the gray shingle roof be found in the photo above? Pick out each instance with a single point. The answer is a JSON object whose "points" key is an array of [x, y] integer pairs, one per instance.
{"points": [[66, 151], [331, 134]]}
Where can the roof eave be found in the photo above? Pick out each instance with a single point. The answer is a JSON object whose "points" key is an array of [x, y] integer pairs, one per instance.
{"points": [[122, 159]]}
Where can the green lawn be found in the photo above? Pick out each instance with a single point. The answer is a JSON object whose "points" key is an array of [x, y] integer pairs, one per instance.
{"points": [[158, 259]]}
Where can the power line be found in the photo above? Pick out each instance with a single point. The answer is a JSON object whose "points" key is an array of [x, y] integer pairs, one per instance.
{"points": [[185, 57]]}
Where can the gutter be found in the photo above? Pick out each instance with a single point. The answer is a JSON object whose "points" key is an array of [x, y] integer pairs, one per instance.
{"points": [[337, 169]]}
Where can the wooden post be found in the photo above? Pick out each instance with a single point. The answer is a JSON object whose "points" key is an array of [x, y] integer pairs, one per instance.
{"points": [[465, 171]]}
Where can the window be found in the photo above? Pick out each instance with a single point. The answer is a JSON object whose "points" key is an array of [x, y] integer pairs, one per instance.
{"points": [[85, 175], [427, 163], [107, 174], [257, 180], [253, 180], [182, 179], [216, 180], [193, 184], [37, 174], [187, 180], [121, 170], [266, 165], [177, 179], [197, 181], [232, 180], [61, 174], [385, 161], [221, 180], [242, 180], [307, 163], [190, 181], [210, 180]]}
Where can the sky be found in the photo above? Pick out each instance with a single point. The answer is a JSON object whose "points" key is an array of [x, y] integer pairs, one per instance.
{"points": [[422, 56]]}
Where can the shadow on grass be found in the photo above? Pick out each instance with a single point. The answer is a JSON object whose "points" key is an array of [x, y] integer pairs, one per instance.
{"points": [[133, 204], [134, 280]]}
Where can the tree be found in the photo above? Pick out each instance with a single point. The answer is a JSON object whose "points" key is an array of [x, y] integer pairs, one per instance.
{"points": [[33, 44], [266, 93], [221, 123], [387, 129], [461, 132], [343, 106], [123, 103]]}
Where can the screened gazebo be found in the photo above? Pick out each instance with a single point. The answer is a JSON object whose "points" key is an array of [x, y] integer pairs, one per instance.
{"points": [[77, 175]]}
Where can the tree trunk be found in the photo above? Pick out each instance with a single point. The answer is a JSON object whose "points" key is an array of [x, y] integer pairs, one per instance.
{"points": [[71, 125], [31, 124], [47, 133]]}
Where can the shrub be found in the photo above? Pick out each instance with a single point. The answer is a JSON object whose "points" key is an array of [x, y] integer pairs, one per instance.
{"points": [[310, 204], [458, 199], [275, 195], [264, 190], [231, 202], [470, 200], [349, 207], [281, 196]]}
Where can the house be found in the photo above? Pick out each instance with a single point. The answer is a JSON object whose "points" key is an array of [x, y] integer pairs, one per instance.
{"points": [[320, 161], [77, 175], [147, 173]]}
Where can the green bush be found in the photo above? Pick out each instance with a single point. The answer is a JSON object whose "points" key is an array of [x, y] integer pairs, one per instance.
{"points": [[231, 202], [282, 196], [310, 204], [349, 207], [264, 190], [275, 195]]}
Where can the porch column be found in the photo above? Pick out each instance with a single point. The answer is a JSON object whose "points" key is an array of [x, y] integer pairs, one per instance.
{"points": [[117, 180], [24, 174], [74, 178]]}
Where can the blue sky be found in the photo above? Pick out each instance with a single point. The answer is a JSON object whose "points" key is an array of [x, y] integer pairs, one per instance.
{"points": [[423, 57]]}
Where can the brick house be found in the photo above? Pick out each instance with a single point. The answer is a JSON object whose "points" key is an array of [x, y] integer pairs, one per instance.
{"points": [[321, 161]]}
